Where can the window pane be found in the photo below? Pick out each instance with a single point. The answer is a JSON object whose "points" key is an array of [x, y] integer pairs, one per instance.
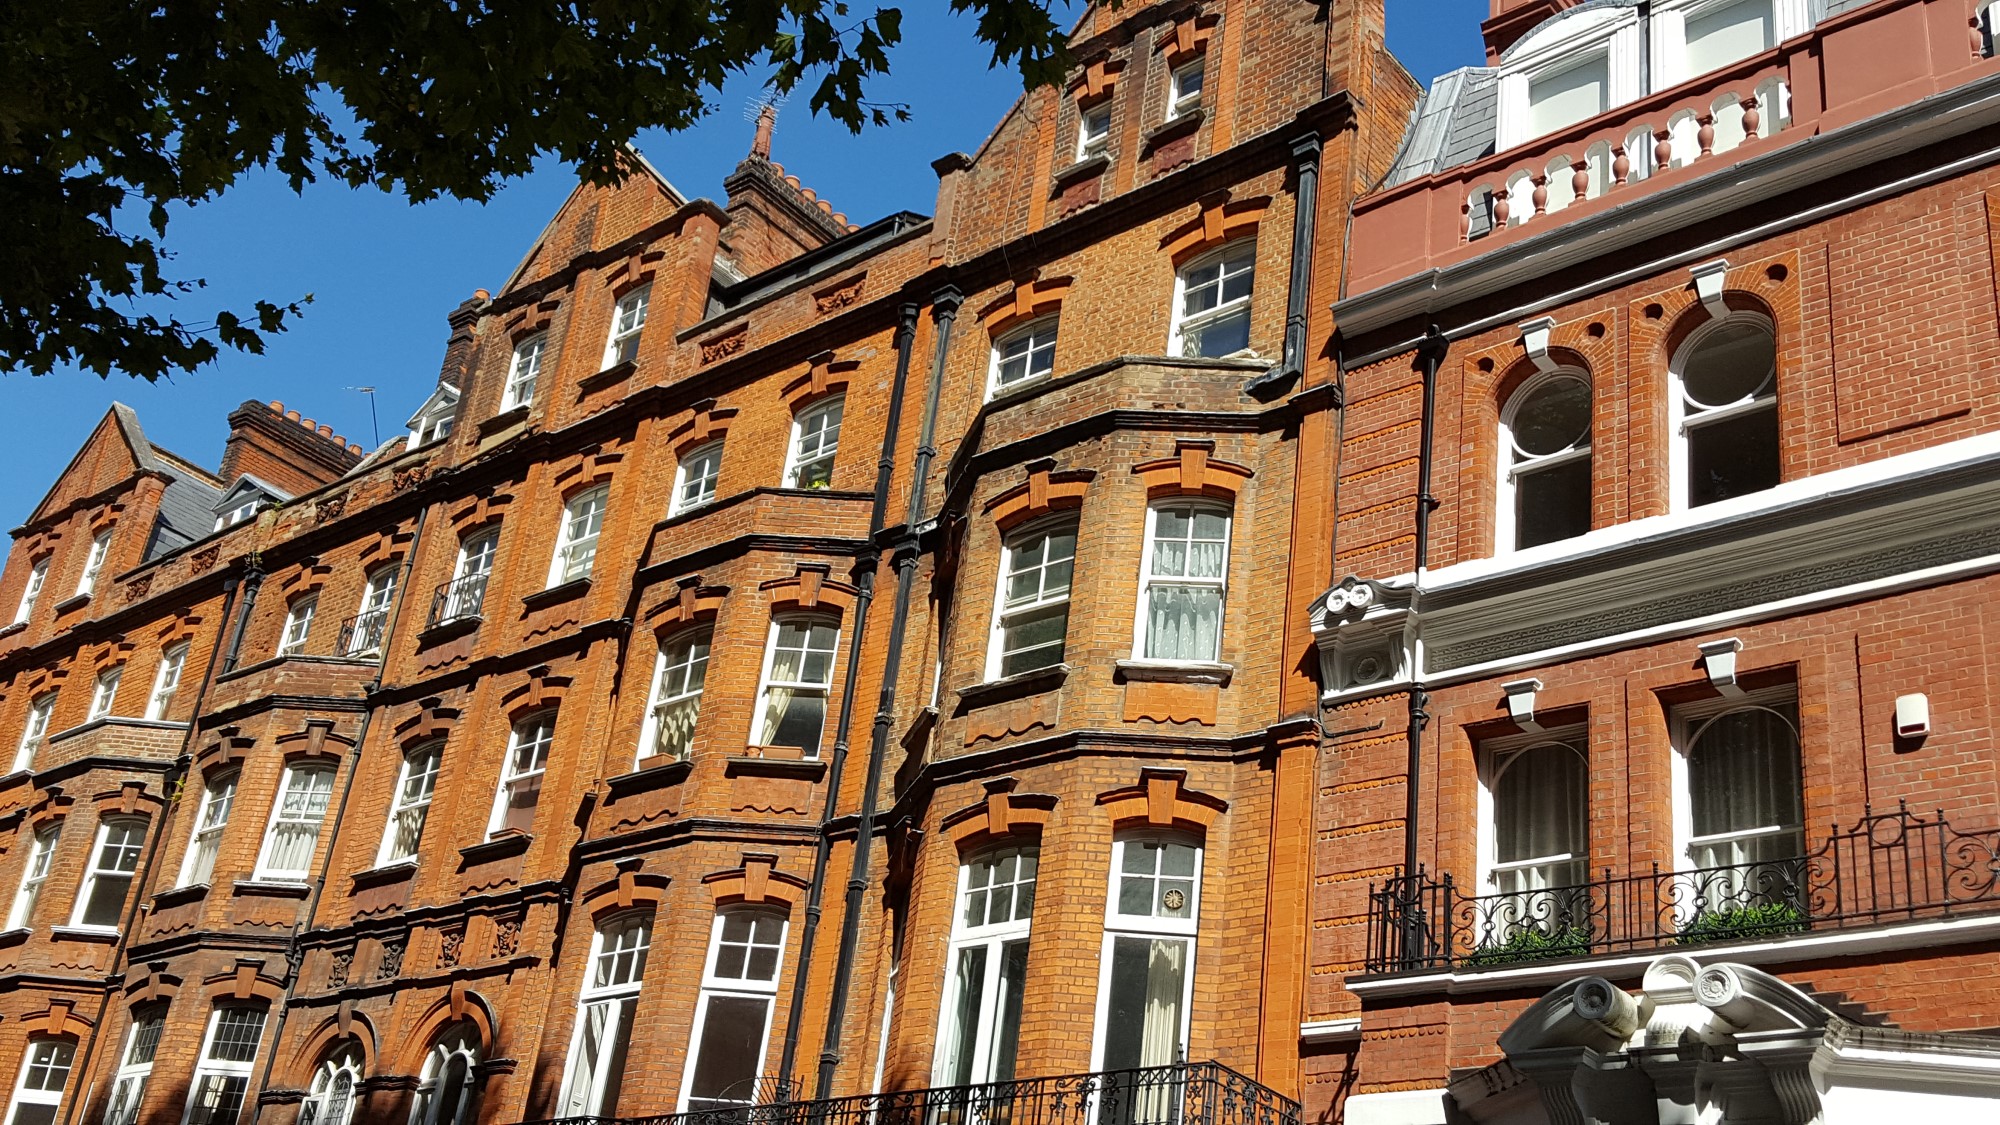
{"points": [[1219, 337], [1567, 96], [1034, 641], [963, 1029], [1554, 417], [1183, 622], [217, 1099], [1743, 773], [106, 904], [236, 1033], [1733, 457], [1730, 364], [1552, 503], [1539, 805], [1143, 1015], [732, 1043], [1721, 35]]}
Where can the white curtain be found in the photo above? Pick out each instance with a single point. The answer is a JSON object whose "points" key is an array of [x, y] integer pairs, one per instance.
{"points": [[1538, 810], [1743, 775], [1184, 621], [778, 700]]}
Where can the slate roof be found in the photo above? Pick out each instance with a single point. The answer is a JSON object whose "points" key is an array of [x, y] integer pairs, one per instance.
{"points": [[187, 507]]}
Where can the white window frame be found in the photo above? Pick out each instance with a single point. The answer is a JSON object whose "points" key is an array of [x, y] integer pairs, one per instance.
{"points": [[343, 1063], [1568, 42], [100, 549], [167, 680], [38, 576], [825, 451], [298, 625], [218, 800], [1180, 100], [41, 710], [1040, 335], [760, 718], [613, 976], [104, 692], [416, 788], [1686, 723], [1093, 142], [683, 659], [459, 1043], [1117, 925], [542, 726], [713, 987], [294, 776], [994, 938], [34, 875], [476, 553], [371, 620], [1506, 530], [1495, 756], [102, 865], [206, 1067], [581, 528], [1668, 34], [128, 1085], [628, 322], [1005, 615], [1679, 457], [524, 370], [41, 1055], [1239, 252], [1148, 580], [699, 470]]}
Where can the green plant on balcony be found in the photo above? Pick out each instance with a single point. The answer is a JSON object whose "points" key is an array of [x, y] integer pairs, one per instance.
{"points": [[1732, 923], [1530, 943]]}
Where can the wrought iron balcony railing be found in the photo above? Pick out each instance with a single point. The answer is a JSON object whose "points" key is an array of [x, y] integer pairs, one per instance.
{"points": [[361, 635], [1182, 1094], [458, 600], [1889, 867]]}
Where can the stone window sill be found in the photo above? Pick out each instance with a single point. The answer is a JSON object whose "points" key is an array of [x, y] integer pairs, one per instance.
{"points": [[1083, 169], [1176, 672], [556, 595], [758, 761], [74, 601], [272, 888], [386, 873], [1167, 130], [15, 936], [499, 847], [656, 772], [615, 373], [504, 419], [1014, 686], [106, 935], [450, 630], [16, 627], [180, 896]]}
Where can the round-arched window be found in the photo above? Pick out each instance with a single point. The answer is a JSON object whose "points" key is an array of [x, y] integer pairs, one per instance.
{"points": [[1545, 471], [331, 1099], [1726, 412], [1540, 794], [447, 1086]]}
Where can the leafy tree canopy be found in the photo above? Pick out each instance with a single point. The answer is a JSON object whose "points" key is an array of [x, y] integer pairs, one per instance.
{"points": [[118, 109]]}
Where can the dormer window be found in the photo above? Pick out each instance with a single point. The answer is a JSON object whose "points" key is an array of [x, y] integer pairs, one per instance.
{"points": [[241, 513], [434, 420], [1093, 132], [1184, 88], [1577, 92], [1720, 34], [1568, 70]]}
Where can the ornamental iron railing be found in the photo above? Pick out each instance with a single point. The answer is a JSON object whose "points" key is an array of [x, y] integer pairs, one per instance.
{"points": [[458, 600], [1898, 866], [1182, 1094], [361, 635]]}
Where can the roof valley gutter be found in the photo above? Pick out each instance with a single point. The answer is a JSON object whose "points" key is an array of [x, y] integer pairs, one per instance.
{"points": [[254, 573], [870, 562], [944, 311]]}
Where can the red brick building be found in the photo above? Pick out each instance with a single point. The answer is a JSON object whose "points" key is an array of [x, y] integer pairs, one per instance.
{"points": [[890, 670]]}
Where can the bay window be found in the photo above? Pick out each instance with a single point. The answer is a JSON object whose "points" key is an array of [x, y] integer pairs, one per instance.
{"points": [[38, 1092], [627, 321], [695, 477], [523, 372], [1211, 315], [987, 967], [1182, 576], [732, 1022], [815, 441], [166, 681], [678, 676], [34, 873], [415, 784], [1146, 979], [798, 674], [222, 1072], [1723, 412], [330, 1101], [1031, 619], [114, 863], [135, 1068], [521, 775], [1026, 353], [576, 539], [1545, 462], [218, 797], [604, 1016], [293, 834]]}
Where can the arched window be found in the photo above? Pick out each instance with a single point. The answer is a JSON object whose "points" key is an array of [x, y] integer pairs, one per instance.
{"points": [[1182, 577], [1212, 301], [449, 1082], [1026, 353], [331, 1099], [1146, 979], [732, 1021], [798, 674], [678, 678], [1724, 412], [38, 1092], [1742, 789], [987, 967], [135, 1066], [1538, 831], [1545, 462], [604, 1015], [218, 797]]}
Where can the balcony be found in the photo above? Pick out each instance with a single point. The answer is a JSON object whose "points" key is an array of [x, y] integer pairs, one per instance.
{"points": [[1891, 867], [458, 600], [1182, 1094], [361, 635]]}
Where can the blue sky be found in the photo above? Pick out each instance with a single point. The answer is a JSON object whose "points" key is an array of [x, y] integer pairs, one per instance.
{"points": [[384, 273]]}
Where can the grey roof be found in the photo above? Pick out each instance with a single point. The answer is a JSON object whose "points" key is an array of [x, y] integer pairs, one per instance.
{"points": [[248, 483], [1452, 124]]}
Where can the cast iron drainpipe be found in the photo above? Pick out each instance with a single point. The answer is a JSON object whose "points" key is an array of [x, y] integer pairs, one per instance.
{"points": [[253, 576], [333, 841], [944, 311], [1430, 356], [871, 560]]}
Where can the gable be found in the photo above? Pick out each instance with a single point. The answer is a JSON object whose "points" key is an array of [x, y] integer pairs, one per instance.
{"points": [[116, 451], [593, 218]]}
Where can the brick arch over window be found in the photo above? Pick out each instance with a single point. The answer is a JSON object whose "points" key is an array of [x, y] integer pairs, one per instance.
{"points": [[1192, 471], [690, 602], [58, 1019], [1046, 490], [431, 721], [824, 375], [49, 806], [528, 320], [541, 692], [1187, 37], [478, 512], [1221, 220], [460, 1005], [810, 589], [756, 883], [1662, 322], [629, 889], [346, 1027], [306, 578], [315, 740], [226, 751], [593, 468], [152, 988], [247, 981], [130, 799], [708, 423], [1162, 800], [1028, 300], [1003, 813]]}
